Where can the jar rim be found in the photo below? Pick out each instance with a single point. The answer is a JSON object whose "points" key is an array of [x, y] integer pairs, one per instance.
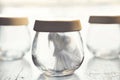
{"points": [[104, 19], [13, 21], [57, 26]]}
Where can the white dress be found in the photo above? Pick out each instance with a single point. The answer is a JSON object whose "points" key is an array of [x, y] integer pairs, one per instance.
{"points": [[66, 52]]}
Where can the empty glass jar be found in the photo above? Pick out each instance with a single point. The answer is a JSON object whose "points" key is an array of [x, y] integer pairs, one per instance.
{"points": [[57, 47], [14, 37], [103, 38]]}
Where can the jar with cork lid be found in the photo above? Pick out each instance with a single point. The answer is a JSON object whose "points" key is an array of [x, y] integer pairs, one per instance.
{"points": [[103, 38], [14, 38], [57, 47]]}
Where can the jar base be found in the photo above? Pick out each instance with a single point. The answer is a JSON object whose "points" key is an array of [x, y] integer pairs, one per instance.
{"points": [[10, 59], [109, 57], [11, 55], [58, 73]]}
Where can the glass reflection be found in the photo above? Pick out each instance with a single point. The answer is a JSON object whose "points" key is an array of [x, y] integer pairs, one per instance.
{"points": [[102, 69], [15, 70], [70, 77]]}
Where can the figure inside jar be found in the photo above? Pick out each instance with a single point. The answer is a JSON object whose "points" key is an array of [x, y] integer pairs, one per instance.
{"points": [[66, 51]]}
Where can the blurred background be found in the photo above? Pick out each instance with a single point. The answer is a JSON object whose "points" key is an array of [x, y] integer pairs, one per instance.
{"points": [[64, 10]]}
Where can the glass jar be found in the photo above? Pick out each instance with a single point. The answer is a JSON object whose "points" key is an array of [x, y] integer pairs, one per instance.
{"points": [[57, 47], [103, 38], [14, 38]]}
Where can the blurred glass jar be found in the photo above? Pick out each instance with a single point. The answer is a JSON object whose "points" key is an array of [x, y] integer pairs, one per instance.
{"points": [[103, 38], [57, 47], [14, 38]]}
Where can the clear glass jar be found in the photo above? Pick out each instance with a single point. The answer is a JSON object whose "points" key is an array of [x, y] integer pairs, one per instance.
{"points": [[14, 38], [57, 47], [103, 38]]}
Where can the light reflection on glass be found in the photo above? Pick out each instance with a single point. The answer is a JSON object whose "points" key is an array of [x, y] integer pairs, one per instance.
{"points": [[70, 77]]}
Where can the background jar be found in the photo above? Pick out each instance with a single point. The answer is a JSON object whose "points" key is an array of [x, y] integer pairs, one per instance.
{"points": [[57, 47], [14, 37], [103, 38]]}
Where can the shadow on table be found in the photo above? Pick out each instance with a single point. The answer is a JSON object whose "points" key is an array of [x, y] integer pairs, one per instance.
{"points": [[101, 69], [15, 70], [70, 77]]}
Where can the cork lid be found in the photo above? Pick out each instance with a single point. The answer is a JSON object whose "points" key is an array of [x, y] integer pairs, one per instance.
{"points": [[104, 19], [13, 21], [57, 26]]}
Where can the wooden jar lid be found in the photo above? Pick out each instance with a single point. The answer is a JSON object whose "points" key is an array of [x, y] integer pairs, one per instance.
{"points": [[104, 19], [57, 26], [13, 21]]}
